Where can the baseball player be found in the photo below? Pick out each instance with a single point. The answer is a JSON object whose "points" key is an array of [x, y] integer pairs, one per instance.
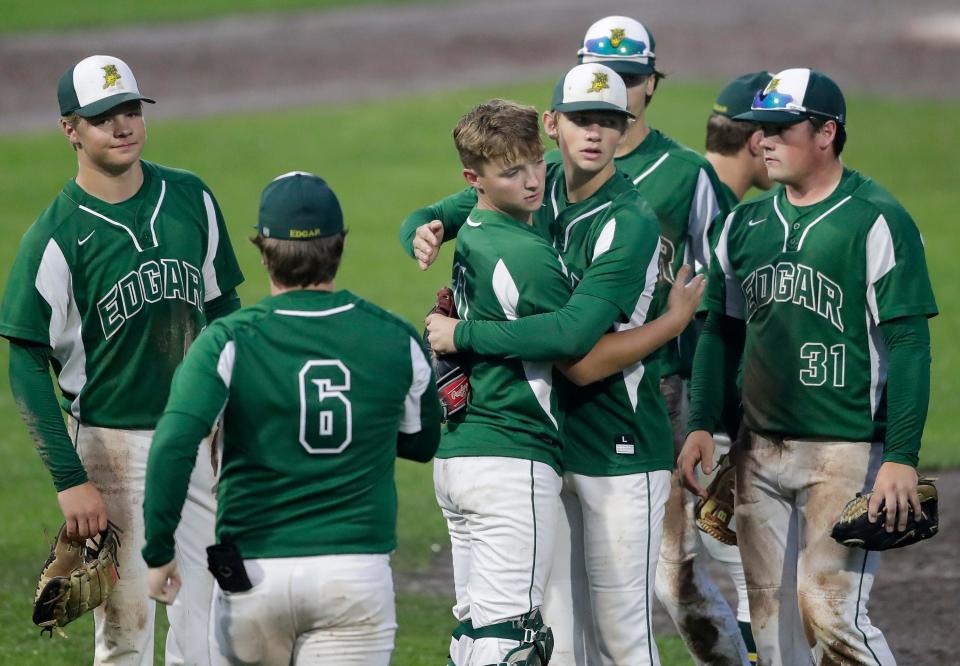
{"points": [[320, 391], [504, 269], [684, 585], [822, 284], [617, 452], [687, 197], [109, 287]]}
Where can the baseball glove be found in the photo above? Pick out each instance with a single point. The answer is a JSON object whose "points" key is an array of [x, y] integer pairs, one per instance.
{"points": [[451, 371], [76, 578], [855, 530], [714, 513]]}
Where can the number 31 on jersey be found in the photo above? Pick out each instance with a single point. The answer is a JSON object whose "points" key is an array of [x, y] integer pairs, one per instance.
{"points": [[823, 364]]}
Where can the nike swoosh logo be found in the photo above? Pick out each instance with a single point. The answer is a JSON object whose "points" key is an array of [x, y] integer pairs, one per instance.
{"points": [[753, 223], [84, 240]]}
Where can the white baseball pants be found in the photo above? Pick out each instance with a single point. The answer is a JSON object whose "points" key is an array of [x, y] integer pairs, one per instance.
{"points": [[695, 604], [600, 590], [336, 610], [501, 514], [806, 590], [116, 463]]}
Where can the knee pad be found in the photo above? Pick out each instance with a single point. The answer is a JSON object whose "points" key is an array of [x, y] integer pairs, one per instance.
{"points": [[536, 639]]}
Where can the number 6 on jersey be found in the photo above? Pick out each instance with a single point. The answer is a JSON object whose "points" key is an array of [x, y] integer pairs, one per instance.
{"points": [[326, 417]]}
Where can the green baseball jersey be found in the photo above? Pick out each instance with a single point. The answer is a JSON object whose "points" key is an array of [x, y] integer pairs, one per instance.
{"points": [[813, 284], [504, 269], [681, 187], [611, 246], [314, 387], [118, 290]]}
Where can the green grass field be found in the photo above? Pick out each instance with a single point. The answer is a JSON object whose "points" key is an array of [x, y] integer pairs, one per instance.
{"points": [[383, 160], [23, 15]]}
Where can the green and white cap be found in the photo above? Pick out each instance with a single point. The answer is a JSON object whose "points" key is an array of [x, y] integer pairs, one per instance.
{"points": [[737, 96], [621, 43], [95, 85], [299, 206], [591, 87], [794, 95]]}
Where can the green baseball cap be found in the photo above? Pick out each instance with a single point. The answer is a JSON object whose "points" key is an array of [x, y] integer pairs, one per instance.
{"points": [[591, 87], [299, 206], [794, 95], [737, 96], [621, 43], [95, 85]]}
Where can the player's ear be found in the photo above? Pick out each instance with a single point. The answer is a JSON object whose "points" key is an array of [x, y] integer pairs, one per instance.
{"points": [[753, 143], [473, 179], [70, 131], [550, 124]]}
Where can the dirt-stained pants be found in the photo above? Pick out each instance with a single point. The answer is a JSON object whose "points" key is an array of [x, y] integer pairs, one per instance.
{"points": [[116, 463], [702, 616], [806, 590]]}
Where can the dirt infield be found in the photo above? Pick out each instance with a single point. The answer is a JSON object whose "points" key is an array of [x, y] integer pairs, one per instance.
{"points": [[887, 47], [276, 61]]}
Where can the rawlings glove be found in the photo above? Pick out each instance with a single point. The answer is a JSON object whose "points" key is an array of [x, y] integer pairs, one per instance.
{"points": [[715, 513], [855, 530], [76, 578], [453, 381]]}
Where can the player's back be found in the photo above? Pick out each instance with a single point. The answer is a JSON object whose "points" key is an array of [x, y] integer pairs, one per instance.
{"points": [[317, 384]]}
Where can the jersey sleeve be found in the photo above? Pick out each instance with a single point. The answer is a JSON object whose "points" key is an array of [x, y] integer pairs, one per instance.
{"points": [[724, 294], [706, 211], [37, 298], [197, 396], [898, 284], [621, 249], [221, 272], [452, 211], [419, 433]]}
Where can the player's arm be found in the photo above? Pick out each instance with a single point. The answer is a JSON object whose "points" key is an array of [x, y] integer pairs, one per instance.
{"points": [[419, 434], [908, 396], [84, 511], [221, 271], [197, 396], [222, 305], [616, 351], [421, 236], [715, 363], [609, 289], [900, 300], [707, 213]]}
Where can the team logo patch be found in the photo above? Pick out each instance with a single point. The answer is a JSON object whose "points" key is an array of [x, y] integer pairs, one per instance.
{"points": [[617, 35], [110, 76], [599, 84]]}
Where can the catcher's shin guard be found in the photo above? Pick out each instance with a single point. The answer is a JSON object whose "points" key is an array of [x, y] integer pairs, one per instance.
{"points": [[536, 639]]}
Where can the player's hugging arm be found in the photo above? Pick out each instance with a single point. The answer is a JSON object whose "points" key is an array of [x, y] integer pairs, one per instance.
{"points": [[451, 212], [616, 351]]}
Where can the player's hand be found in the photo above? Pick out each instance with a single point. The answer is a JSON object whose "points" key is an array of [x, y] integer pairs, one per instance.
{"points": [[698, 448], [164, 582], [84, 511], [684, 298], [426, 243], [896, 488], [440, 333]]}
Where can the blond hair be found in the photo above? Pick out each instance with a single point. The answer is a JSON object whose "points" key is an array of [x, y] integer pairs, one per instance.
{"points": [[498, 130]]}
